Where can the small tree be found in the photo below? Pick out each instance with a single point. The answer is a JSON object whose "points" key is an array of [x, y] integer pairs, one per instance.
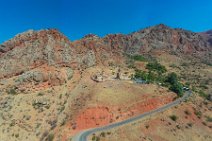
{"points": [[177, 88], [172, 78]]}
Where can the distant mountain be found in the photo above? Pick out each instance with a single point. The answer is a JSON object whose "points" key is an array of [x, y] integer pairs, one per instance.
{"points": [[208, 36], [209, 32]]}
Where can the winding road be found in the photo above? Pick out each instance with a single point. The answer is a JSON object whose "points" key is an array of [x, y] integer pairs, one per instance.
{"points": [[82, 136]]}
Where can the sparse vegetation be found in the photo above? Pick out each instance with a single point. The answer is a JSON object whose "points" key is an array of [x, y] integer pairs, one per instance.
{"points": [[203, 94], [57, 98], [102, 134], [12, 91], [50, 137], [61, 108], [17, 135], [139, 58], [203, 86], [147, 126], [209, 119], [155, 74], [108, 133], [95, 138], [190, 124], [60, 97], [40, 94], [198, 114]]}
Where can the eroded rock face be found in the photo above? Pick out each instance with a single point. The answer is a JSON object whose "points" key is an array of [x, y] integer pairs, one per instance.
{"points": [[148, 41], [177, 41], [33, 49]]}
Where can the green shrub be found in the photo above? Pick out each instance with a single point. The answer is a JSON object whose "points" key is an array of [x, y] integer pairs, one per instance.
{"points": [[108, 133], [155, 74], [151, 77], [177, 88], [40, 94], [155, 66], [141, 74], [147, 76], [160, 78], [12, 91], [172, 78], [147, 126], [94, 138], [198, 114], [97, 138], [138, 58], [190, 124], [16, 135], [60, 97], [173, 117], [209, 119], [102, 134], [50, 137]]}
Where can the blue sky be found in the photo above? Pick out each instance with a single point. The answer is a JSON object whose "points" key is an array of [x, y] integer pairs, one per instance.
{"points": [[76, 18]]}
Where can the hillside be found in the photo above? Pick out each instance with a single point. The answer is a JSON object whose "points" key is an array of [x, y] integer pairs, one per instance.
{"points": [[52, 88]]}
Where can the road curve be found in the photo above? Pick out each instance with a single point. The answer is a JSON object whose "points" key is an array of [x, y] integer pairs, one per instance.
{"points": [[82, 136]]}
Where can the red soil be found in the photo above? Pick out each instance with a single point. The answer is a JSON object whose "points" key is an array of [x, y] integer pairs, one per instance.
{"points": [[99, 116], [93, 117]]}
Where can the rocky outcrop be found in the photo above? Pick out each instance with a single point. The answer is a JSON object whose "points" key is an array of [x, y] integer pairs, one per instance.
{"points": [[179, 41], [52, 75], [33, 49]]}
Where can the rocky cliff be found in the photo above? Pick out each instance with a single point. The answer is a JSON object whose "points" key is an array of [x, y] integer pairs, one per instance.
{"points": [[42, 53], [35, 49]]}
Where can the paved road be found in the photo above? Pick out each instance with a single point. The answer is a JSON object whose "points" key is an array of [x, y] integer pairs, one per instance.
{"points": [[82, 136]]}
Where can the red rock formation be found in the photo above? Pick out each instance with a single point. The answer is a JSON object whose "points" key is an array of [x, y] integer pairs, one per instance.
{"points": [[33, 49]]}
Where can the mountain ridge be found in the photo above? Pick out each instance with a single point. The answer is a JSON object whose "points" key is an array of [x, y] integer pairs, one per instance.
{"points": [[55, 49]]}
